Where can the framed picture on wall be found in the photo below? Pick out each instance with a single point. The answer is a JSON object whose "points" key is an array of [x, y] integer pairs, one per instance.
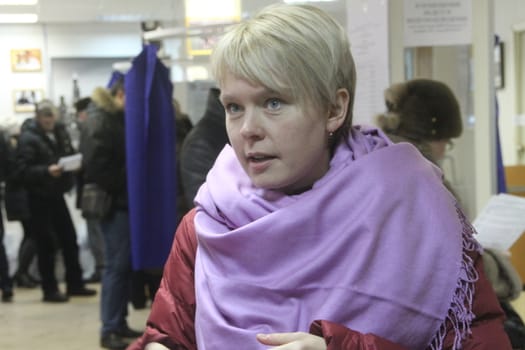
{"points": [[26, 60], [25, 99]]}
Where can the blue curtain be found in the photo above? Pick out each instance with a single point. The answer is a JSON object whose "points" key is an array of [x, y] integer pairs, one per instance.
{"points": [[115, 76], [502, 183], [150, 160]]}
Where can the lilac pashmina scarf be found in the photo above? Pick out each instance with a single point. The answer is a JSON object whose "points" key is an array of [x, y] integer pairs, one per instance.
{"points": [[377, 245]]}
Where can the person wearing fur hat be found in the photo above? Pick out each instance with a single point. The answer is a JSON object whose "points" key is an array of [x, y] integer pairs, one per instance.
{"points": [[423, 112], [426, 114], [104, 164]]}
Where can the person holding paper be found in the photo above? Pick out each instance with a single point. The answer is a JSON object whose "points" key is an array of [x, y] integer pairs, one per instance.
{"points": [[43, 141]]}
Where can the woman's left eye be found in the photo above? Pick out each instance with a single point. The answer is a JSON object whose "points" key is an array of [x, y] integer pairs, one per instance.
{"points": [[273, 104]]}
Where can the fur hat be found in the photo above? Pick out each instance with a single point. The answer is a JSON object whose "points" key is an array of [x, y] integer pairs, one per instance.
{"points": [[421, 109]]}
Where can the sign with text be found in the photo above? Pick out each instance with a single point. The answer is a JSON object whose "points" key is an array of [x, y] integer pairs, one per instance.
{"points": [[438, 22], [368, 35]]}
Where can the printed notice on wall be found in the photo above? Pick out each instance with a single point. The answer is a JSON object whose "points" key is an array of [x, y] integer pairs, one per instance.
{"points": [[438, 22], [368, 35]]}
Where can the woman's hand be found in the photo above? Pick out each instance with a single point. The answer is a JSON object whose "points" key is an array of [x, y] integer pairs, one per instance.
{"points": [[155, 346], [292, 341]]}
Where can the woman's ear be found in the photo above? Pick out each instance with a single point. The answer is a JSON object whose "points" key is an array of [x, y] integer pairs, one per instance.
{"points": [[338, 111]]}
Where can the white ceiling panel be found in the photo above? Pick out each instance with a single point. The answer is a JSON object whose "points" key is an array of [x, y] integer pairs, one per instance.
{"points": [[53, 11], [171, 11]]}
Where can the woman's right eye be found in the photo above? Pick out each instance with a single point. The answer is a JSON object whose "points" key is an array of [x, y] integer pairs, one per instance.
{"points": [[232, 108]]}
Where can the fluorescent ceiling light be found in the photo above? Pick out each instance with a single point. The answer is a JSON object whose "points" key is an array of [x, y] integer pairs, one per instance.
{"points": [[211, 11], [123, 18], [303, 1], [18, 2], [18, 18]]}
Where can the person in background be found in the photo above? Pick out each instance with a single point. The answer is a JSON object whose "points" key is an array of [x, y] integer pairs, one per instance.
{"points": [[104, 164], [6, 283], [17, 209], [426, 114], [202, 146], [42, 142], [311, 233], [94, 232], [183, 127]]}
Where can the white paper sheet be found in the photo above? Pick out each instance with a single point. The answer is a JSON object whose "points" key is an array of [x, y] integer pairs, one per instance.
{"points": [[438, 22], [501, 222], [70, 163]]}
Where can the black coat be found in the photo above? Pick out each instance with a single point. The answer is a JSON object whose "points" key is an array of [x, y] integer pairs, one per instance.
{"points": [[202, 146], [35, 153], [103, 147], [15, 197]]}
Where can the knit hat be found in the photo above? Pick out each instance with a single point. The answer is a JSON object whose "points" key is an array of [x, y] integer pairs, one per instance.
{"points": [[421, 109]]}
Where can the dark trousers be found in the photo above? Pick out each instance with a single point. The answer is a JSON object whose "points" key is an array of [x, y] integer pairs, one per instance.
{"points": [[116, 279], [53, 228], [27, 250], [5, 280]]}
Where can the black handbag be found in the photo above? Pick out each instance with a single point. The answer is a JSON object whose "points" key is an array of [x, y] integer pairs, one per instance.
{"points": [[95, 203]]}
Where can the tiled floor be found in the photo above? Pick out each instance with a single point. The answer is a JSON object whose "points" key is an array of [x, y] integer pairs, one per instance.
{"points": [[28, 323]]}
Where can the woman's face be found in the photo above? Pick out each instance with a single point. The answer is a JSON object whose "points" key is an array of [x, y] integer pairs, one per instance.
{"points": [[279, 144]]}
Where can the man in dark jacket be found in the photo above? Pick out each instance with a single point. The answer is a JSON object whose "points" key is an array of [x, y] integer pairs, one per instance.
{"points": [[202, 145], [104, 164], [94, 232], [42, 142]]}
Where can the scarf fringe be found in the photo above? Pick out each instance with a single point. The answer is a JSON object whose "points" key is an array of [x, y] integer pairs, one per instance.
{"points": [[460, 314]]}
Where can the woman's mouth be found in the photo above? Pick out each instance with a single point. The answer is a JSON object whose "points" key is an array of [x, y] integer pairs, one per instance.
{"points": [[258, 163]]}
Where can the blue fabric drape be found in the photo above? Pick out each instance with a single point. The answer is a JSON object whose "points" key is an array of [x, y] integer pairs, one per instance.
{"points": [[502, 183], [150, 159], [115, 76]]}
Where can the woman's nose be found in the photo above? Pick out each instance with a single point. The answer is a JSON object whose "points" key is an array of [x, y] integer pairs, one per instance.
{"points": [[252, 126]]}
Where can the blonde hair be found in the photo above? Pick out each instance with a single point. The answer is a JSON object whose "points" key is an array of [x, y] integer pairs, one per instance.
{"points": [[295, 50]]}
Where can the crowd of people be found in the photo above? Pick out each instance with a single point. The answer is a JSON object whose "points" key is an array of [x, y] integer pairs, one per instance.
{"points": [[298, 229]]}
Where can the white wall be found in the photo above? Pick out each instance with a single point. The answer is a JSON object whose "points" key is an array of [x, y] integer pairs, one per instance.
{"points": [[18, 37], [58, 41], [507, 13]]}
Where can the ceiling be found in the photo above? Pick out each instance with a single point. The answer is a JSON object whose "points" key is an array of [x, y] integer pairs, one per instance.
{"points": [[87, 11], [75, 11]]}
